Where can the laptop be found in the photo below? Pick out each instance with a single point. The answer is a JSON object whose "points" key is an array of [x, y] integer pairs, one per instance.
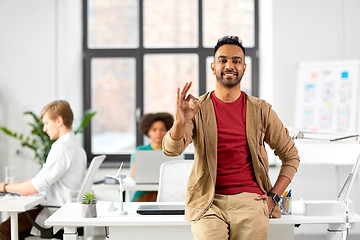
{"points": [[147, 165], [159, 209]]}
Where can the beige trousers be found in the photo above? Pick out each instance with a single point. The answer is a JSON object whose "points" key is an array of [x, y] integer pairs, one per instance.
{"points": [[234, 217]]}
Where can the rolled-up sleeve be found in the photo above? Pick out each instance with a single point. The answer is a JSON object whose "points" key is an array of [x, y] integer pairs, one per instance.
{"points": [[277, 136], [173, 147]]}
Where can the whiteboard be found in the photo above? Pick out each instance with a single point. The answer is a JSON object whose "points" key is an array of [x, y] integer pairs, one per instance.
{"points": [[328, 96]]}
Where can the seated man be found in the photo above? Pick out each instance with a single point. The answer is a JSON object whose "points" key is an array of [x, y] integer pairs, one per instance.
{"points": [[62, 174]]}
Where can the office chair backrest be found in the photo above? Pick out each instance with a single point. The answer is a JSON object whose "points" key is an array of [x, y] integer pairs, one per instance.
{"points": [[174, 176], [85, 187], [90, 175]]}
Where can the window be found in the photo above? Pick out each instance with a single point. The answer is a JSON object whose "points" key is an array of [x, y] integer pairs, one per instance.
{"points": [[136, 55], [113, 96]]}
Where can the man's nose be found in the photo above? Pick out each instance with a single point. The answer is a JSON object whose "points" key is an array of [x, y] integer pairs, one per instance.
{"points": [[229, 65]]}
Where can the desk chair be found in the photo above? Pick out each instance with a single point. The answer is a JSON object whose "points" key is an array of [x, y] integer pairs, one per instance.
{"points": [[174, 176], [90, 175], [85, 187]]}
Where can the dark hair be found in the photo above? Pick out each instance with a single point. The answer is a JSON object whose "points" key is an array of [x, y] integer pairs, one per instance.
{"points": [[59, 108], [232, 40], [149, 118]]}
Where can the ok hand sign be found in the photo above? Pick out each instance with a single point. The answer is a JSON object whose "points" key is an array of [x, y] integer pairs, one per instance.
{"points": [[186, 106]]}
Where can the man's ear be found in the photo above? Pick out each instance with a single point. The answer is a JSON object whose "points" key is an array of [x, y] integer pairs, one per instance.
{"points": [[59, 121], [212, 66]]}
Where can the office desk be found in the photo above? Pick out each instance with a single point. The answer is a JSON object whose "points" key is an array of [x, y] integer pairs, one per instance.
{"points": [[14, 205], [134, 226], [129, 185]]}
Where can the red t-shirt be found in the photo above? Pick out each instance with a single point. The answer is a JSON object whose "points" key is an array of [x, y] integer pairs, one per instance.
{"points": [[235, 173]]}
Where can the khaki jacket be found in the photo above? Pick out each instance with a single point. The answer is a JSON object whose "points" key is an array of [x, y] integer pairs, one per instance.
{"points": [[262, 125]]}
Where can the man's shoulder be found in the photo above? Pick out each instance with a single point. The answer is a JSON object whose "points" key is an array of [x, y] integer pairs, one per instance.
{"points": [[253, 99], [67, 144], [257, 101], [204, 97]]}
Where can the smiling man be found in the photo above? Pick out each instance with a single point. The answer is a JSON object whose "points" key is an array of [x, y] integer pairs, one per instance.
{"points": [[60, 177], [229, 193], [228, 67]]}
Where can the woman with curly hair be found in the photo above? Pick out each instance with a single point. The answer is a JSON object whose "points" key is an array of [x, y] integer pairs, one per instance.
{"points": [[153, 125]]}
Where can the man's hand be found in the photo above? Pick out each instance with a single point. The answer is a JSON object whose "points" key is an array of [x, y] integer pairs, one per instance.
{"points": [[186, 108], [270, 202], [281, 184]]}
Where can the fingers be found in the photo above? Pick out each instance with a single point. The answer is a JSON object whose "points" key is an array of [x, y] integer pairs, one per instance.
{"points": [[261, 197], [188, 100], [178, 95], [185, 90]]}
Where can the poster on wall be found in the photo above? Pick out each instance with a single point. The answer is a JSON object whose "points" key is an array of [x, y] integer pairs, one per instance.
{"points": [[328, 96]]}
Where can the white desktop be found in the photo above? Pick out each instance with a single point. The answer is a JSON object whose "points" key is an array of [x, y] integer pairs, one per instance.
{"points": [[134, 226], [18, 204]]}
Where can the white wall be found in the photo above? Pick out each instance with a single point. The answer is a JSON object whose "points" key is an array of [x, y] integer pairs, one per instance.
{"points": [[40, 61], [308, 30]]}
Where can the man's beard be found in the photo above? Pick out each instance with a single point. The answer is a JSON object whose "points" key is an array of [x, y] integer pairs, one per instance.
{"points": [[229, 84]]}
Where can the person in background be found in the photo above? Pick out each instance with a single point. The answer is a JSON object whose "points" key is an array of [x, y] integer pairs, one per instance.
{"points": [[153, 125], [61, 175], [229, 194]]}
